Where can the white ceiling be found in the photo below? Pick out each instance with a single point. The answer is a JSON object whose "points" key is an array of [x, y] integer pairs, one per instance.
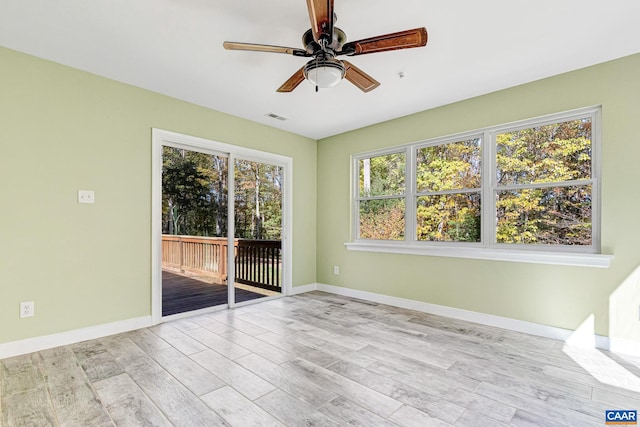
{"points": [[174, 47]]}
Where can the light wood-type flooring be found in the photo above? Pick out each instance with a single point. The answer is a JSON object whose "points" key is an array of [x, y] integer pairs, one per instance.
{"points": [[317, 360]]}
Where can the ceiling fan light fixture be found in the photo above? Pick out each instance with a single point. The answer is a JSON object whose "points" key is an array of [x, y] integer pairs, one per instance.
{"points": [[324, 72]]}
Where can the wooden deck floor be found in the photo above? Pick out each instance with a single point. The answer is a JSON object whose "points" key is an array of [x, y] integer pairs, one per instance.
{"points": [[181, 294]]}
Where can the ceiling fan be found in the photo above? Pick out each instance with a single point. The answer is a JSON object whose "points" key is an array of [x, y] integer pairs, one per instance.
{"points": [[324, 42]]}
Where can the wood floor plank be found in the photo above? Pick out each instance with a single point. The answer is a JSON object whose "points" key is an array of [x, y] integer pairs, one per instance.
{"points": [[217, 343], [539, 407], [344, 412], [258, 346], [178, 339], [28, 408], [427, 400], [237, 410], [127, 404], [147, 340], [291, 382], [406, 365], [72, 396], [179, 405], [474, 419], [189, 373], [523, 383], [229, 318], [418, 349], [407, 416], [129, 356], [246, 382], [292, 411], [370, 399], [317, 356], [20, 374], [615, 400], [96, 361]]}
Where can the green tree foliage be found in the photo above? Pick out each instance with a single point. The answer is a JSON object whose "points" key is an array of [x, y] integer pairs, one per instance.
{"points": [[258, 213], [193, 193], [195, 196], [542, 178], [382, 219], [557, 214], [449, 216]]}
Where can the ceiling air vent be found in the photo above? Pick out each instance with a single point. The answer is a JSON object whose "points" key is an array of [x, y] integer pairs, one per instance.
{"points": [[275, 116]]}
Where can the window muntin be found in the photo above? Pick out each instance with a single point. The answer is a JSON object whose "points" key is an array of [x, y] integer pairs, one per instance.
{"points": [[538, 188]]}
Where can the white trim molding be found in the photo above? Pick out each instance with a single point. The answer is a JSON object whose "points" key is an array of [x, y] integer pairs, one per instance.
{"points": [[162, 138], [297, 290], [30, 345], [536, 257], [485, 167]]}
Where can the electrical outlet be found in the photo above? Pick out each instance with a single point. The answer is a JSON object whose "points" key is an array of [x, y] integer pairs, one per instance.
{"points": [[86, 196], [27, 309], [336, 270]]}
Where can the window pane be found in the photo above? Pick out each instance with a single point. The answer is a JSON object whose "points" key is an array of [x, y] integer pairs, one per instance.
{"points": [[557, 152], [382, 175], [449, 166], [547, 216], [382, 219], [449, 218]]}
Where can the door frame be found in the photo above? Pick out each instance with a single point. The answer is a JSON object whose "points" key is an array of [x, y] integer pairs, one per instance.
{"points": [[162, 137]]}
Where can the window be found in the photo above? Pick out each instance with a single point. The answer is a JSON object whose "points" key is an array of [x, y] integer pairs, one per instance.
{"points": [[381, 197], [544, 184], [527, 186], [448, 191]]}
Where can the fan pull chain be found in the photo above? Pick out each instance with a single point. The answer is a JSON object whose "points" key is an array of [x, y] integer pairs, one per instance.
{"points": [[316, 70]]}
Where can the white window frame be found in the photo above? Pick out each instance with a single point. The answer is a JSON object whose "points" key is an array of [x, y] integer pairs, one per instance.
{"points": [[488, 248]]}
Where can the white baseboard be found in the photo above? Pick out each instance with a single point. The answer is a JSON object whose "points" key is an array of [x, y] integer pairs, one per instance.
{"points": [[296, 290], [560, 334], [618, 345], [31, 345]]}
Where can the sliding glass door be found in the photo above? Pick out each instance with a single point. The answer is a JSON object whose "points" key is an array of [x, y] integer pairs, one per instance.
{"points": [[213, 254]]}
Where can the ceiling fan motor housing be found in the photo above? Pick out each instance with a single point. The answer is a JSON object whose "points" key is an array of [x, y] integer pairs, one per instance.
{"points": [[313, 47]]}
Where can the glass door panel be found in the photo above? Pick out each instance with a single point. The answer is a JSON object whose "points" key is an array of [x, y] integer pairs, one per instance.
{"points": [[258, 229], [194, 230]]}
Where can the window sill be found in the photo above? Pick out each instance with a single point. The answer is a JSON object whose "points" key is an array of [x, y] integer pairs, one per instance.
{"points": [[537, 257]]}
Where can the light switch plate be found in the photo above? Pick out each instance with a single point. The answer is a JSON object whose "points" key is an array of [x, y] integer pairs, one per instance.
{"points": [[86, 196]]}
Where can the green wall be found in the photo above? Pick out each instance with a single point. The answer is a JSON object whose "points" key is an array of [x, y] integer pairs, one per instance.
{"points": [[559, 296], [62, 130]]}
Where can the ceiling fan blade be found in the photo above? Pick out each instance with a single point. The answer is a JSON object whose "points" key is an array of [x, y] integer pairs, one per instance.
{"points": [[293, 82], [359, 78], [264, 48], [401, 40], [321, 16]]}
